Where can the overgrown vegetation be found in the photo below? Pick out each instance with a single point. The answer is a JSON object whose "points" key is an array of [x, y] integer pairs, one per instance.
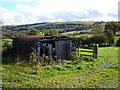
{"points": [[80, 73]]}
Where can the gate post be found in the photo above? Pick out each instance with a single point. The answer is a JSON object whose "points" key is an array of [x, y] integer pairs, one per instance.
{"points": [[95, 51]]}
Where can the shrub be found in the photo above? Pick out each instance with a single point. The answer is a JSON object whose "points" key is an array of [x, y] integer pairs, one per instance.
{"points": [[7, 52], [48, 67], [79, 68], [34, 61], [75, 55], [88, 58], [52, 32], [58, 67], [118, 43], [110, 36], [100, 39]]}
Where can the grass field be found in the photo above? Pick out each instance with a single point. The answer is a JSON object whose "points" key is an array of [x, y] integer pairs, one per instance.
{"points": [[70, 32], [76, 22], [9, 40], [81, 73], [73, 32]]}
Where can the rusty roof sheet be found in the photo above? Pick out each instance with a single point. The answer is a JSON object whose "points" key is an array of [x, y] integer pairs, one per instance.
{"points": [[31, 37], [34, 38]]}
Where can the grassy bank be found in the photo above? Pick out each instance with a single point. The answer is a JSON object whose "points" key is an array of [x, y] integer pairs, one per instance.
{"points": [[83, 73]]}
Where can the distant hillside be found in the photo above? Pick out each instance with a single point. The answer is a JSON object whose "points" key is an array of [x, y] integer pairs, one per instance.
{"points": [[65, 26]]}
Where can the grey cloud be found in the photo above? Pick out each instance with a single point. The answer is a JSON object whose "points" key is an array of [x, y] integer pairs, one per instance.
{"points": [[18, 19], [70, 16], [28, 17], [113, 15]]}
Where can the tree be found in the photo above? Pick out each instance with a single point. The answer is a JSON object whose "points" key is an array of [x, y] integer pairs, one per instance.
{"points": [[113, 26], [118, 42], [32, 32], [98, 28], [52, 33], [111, 36], [100, 39]]}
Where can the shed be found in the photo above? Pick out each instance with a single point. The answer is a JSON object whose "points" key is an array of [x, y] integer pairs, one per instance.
{"points": [[59, 46]]}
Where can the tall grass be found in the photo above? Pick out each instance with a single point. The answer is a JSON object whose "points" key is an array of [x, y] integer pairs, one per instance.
{"points": [[80, 73]]}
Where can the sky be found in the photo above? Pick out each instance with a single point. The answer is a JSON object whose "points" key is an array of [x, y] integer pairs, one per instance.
{"points": [[15, 12]]}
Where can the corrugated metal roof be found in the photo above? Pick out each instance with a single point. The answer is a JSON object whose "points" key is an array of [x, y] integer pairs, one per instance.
{"points": [[34, 38], [31, 37]]}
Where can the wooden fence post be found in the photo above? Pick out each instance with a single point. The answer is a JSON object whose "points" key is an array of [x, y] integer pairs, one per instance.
{"points": [[95, 51]]}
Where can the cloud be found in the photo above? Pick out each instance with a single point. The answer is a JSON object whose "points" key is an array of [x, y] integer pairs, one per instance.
{"points": [[102, 18], [5, 15], [61, 10], [103, 6], [115, 15], [17, 1]]}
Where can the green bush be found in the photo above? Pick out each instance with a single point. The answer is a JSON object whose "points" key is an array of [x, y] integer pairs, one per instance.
{"points": [[83, 41], [75, 56], [58, 67], [118, 42], [34, 61], [7, 52]]}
